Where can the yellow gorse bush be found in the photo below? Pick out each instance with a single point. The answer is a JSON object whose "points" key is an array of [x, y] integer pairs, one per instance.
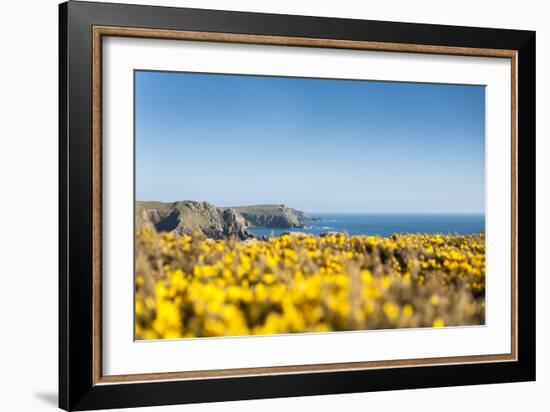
{"points": [[191, 286]]}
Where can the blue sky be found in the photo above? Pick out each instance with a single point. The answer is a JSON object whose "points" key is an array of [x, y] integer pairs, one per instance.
{"points": [[318, 145]]}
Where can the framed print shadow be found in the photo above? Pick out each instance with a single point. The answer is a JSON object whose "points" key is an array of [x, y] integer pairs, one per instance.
{"points": [[257, 205]]}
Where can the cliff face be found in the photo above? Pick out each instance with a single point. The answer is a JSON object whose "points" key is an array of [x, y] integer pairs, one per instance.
{"points": [[215, 222], [187, 217], [279, 216]]}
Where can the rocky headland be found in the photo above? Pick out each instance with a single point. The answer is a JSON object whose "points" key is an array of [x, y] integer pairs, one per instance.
{"points": [[186, 217]]}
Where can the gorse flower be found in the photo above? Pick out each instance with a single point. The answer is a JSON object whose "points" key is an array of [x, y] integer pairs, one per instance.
{"points": [[191, 286]]}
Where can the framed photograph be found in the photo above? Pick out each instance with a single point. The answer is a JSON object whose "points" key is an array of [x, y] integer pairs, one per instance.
{"points": [[256, 205]]}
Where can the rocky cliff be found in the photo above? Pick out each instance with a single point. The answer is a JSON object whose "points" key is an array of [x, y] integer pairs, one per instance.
{"points": [[186, 217], [279, 216]]}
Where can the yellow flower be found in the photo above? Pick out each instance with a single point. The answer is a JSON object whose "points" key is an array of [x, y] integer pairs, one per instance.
{"points": [[408, 310], [438, 323], [366, 276], [391, 310]]}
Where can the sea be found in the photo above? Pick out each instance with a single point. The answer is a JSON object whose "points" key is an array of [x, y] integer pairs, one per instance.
{"points": [[384, 224]]}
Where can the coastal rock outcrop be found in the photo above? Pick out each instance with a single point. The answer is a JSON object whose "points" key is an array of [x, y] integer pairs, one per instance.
{"points": [[186, 217], [273, 216]]}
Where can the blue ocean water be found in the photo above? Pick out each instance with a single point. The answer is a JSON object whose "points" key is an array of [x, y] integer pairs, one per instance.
{"points": [[385, 224]]}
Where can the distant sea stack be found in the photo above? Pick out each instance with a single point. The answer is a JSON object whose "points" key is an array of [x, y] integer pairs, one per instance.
{"points": [[186, 217]]}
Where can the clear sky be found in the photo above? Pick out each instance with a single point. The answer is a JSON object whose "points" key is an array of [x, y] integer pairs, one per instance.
{"points": [[317, 145]]}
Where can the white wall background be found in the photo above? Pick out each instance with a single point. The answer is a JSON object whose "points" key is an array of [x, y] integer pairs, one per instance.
{"points": [[28, 205]]}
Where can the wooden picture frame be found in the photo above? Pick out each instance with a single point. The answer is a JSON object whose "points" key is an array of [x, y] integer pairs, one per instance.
{"points": [[82, 384]]}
